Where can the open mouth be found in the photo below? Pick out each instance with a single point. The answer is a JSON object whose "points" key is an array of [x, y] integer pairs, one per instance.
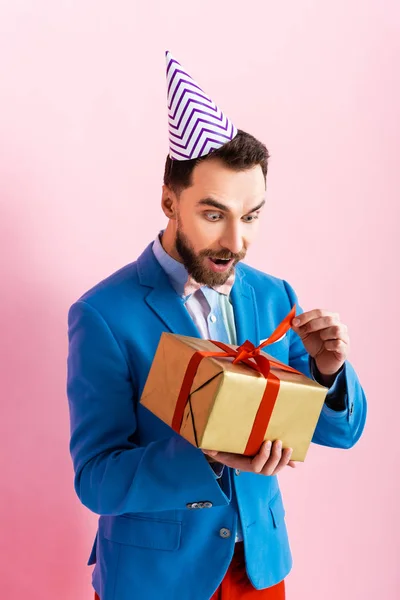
{"points": [[221, 261], [220, 264]]}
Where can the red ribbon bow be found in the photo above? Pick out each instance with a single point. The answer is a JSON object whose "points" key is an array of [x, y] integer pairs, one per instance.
{"points": [[246, 353]]}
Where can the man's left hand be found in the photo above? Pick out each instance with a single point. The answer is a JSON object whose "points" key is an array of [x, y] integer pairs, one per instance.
{"points": [[269, 460], [325, 338]]}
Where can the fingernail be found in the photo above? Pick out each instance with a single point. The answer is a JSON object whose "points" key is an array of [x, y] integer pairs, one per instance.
{"points": [[268, 445], [296, 322], [279, 444]]}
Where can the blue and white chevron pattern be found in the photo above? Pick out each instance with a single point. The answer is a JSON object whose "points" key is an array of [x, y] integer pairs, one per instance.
{"points": [[196, 125]]}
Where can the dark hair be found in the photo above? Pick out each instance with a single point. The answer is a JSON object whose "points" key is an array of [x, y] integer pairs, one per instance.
{"points": [[241, 153]]}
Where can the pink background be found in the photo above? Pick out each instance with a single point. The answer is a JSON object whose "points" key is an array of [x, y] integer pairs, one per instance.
{"points": [[83, 139]]}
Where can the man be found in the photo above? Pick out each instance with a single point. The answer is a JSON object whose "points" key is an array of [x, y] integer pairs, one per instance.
{"points": [[177, 522]]}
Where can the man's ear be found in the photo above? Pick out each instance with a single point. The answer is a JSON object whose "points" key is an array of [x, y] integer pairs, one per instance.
{"points": [[168, 202]]}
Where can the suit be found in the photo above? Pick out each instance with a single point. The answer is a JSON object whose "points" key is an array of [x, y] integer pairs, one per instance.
{"points": [[144, 480]]}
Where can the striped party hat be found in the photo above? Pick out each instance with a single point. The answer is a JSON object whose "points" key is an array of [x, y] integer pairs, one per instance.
{"points": [[196, 125]]}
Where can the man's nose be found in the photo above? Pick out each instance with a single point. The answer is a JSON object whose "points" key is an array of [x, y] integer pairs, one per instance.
{"points": [[232, 239]]}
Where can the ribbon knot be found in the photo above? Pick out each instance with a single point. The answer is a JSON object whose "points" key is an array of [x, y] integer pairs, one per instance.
{"points": [[246, 351]]}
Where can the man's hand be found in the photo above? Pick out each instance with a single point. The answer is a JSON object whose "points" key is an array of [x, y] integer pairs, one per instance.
{"points": [[325, 338], [269, 461]]}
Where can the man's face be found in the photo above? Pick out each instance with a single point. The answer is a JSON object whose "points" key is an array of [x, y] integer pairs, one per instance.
{"points": [[217, 219]]}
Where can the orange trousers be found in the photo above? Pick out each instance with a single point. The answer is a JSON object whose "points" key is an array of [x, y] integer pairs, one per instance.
{"points": [[236, 585]]}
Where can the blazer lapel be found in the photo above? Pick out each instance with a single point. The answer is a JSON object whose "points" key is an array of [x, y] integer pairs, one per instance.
{"points": [[245, 310], [162, 298]]}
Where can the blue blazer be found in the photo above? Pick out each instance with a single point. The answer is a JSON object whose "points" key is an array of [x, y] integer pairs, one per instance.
{"points": [[144, 480]]}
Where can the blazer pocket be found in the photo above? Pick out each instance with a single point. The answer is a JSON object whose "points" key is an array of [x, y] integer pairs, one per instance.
{"points": [[144, 533], [276, 341], [279, 349], [277, 509]]}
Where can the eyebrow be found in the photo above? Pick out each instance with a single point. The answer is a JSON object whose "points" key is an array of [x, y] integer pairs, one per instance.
{"points": [[220, 206]]}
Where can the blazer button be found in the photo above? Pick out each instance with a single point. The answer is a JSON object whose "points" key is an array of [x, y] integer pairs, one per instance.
{"points": [[237, 471], [192, 505], [224, 532], [351, 408], [200, 504], [207, 504]]}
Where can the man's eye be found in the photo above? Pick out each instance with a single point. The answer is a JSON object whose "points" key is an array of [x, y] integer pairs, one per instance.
{"points": [[212, 216], [250, 218]]}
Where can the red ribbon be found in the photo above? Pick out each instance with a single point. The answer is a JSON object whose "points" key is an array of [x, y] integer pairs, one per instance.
{"points": [[246, 353]]}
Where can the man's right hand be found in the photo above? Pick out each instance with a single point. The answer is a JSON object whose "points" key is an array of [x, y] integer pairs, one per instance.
{"points": [[270, 459]]}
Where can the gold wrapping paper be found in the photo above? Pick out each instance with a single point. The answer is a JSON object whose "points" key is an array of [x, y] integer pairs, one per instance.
{"points": [[225, 397]]}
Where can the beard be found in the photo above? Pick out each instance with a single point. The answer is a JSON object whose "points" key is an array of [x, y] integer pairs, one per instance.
{"points": [[196, 264]]}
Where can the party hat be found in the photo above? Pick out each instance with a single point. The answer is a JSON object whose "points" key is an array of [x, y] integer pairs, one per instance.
{"points": [[196, 125]]}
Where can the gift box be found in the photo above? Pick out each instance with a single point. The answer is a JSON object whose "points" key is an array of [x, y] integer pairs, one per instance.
{"points": [[228, 398]]}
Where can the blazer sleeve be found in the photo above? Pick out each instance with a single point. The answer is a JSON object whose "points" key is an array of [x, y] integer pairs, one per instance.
{"points": [[338, 429], [113, 475]]}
